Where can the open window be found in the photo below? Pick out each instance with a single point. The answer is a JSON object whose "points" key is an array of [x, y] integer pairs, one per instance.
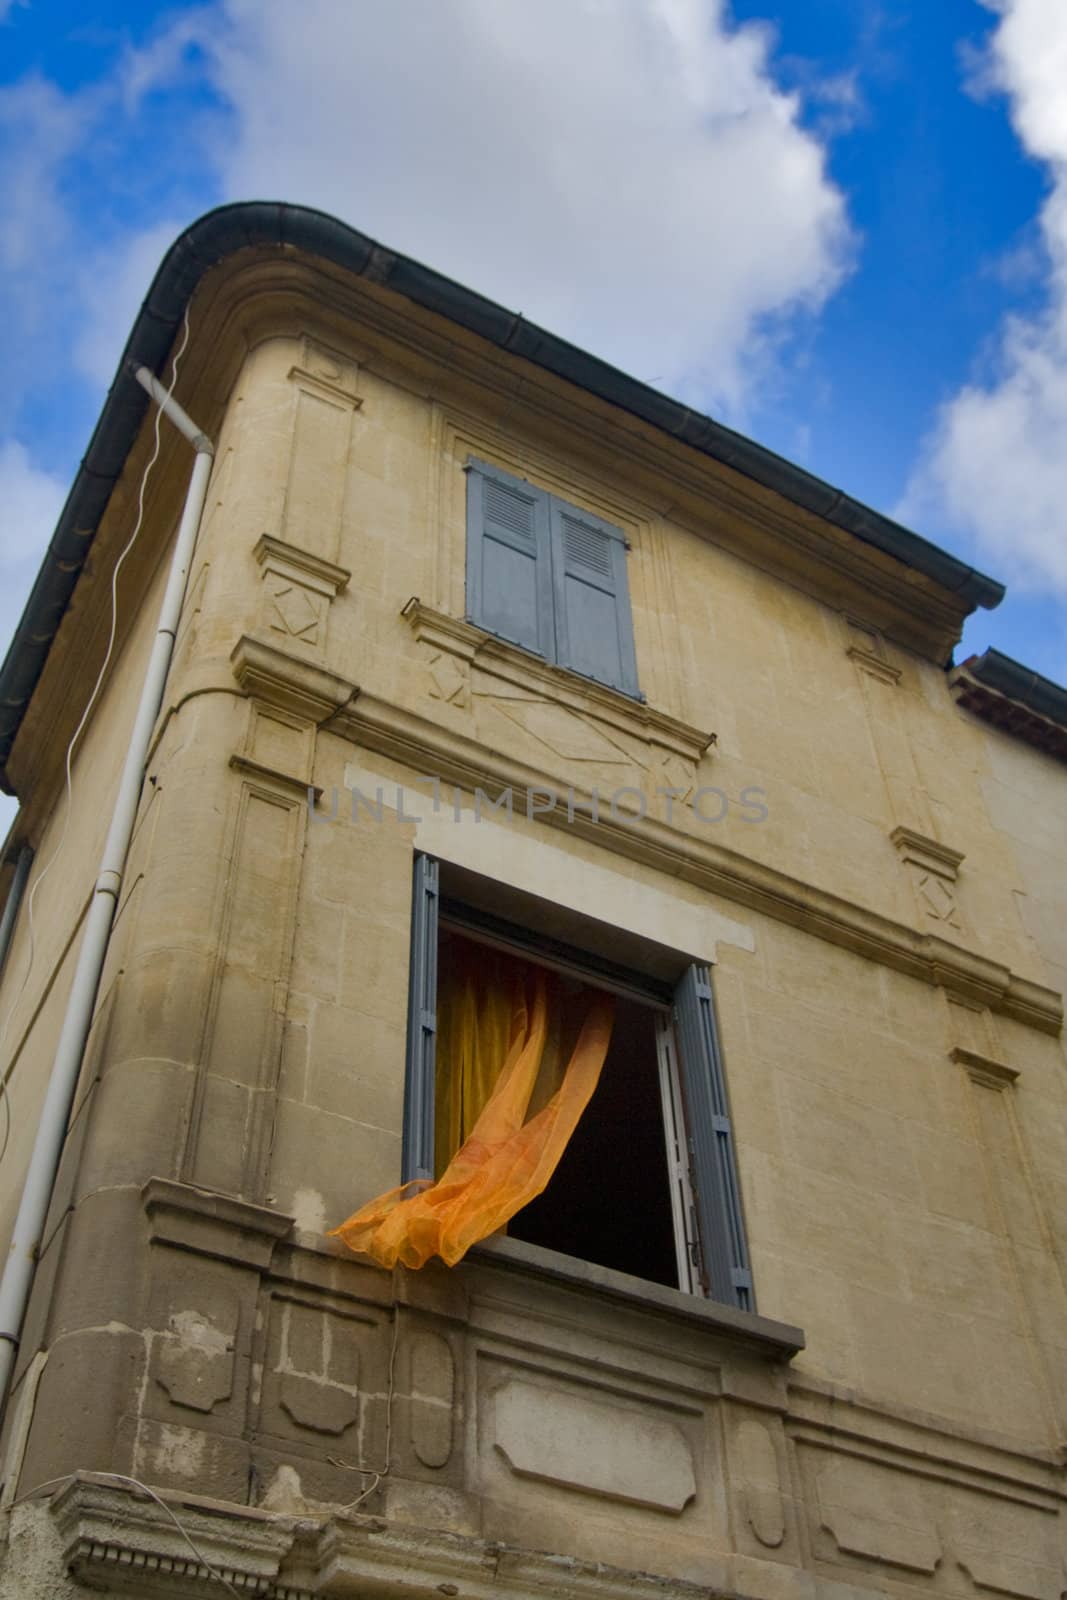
{"points": [[647, 1184]]}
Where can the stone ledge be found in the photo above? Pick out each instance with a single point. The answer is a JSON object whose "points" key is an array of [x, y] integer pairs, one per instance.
{"points": [[984, 1069], [284, 680], [929, 854], [116, 1537], [413, 739], [775, 1341], [555, 683], [836, 1416], [212, 1224], [314, 571]]}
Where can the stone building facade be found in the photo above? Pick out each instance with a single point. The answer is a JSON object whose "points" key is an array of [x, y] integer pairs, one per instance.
{"points": [[783, 785]]}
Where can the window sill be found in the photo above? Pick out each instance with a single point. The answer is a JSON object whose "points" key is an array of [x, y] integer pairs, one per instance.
{"points": [[776, 1341], [499, 658]]}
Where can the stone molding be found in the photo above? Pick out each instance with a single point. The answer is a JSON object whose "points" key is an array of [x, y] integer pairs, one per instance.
{"points": [[865, 646], [212, 1224], [554, 683], [832, 1418], [284, 681], [115, 1537], [761, 1336], [415, 740], [984, 1069], [301, 566], [928, 854], [933, 868]]}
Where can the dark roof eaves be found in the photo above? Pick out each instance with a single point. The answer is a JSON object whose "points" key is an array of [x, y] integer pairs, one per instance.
{"points": [[231, 228]]}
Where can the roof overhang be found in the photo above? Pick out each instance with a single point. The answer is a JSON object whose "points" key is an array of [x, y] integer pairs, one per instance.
{"points": [[264, 225], [1011, 697]]}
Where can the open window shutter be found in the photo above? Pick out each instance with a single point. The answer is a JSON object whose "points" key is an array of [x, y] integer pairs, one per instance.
{"points": [[594, 630], [509, 579], [718, 1195], [417, 1160]]}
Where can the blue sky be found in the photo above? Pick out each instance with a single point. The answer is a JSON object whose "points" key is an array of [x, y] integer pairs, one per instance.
{"points": [[840, 225]]}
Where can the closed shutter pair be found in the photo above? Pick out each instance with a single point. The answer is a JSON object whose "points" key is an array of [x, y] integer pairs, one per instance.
{"points": [[549, 577]]}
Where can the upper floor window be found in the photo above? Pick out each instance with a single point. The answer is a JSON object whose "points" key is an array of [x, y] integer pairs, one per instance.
{"points": [[548, 576], [647, 1183]]}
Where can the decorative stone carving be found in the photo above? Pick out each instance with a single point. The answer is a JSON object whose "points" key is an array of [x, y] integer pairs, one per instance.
{"points": [[316, 1404], [934, 868], [298, 587], [313, 1368], [866, 647], [325, 405], [449, 680], [1007, 1549], [983, 1069], [433, 1384], [610, 1450], [456, 757], [565, 734], [762, 1493], [585, 724], [876, 1513], [193, 1360], [114, 1538], [283, 680]]}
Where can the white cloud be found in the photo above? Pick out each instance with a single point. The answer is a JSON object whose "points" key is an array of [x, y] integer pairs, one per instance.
{"points": [[112, 286], [629, 176], [32, 500], [39, 128], [996, 464]]}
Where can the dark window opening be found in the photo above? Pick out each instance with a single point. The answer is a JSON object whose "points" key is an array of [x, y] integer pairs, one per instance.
{"points": [[649, 1167], [609, 1199]]}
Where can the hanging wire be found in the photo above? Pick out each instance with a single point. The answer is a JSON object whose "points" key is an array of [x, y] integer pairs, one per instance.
{"points": [[79, 730]]}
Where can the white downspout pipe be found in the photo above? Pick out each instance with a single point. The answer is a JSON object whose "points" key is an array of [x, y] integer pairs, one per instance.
{"points": [[18, 1273]]}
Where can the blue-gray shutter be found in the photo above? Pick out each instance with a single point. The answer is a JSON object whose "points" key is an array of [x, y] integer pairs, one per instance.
{"points": [[594, 629], [417, 1157], [711, 1147], [509, 578]]}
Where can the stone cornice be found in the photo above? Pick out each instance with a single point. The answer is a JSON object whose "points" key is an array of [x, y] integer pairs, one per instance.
{"points": [[929, 854], [553, 683], [984, 1069], [261, 299], [414, 740], [315, 571], [282, 680], [212, 1224], [115, 1537], [112, 1533]]}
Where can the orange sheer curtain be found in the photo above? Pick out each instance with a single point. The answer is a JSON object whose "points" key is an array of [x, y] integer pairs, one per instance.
{"points": [[519, 1055]]}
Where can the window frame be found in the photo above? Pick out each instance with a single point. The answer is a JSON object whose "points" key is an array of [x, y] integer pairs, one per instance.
{"points": [[556, 566], [710, 1239]]}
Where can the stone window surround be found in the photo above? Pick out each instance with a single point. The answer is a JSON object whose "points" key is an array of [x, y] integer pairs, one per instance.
{"points": [[522, 937]]}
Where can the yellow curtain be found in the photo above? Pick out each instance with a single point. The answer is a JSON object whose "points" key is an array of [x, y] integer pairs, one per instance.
{"points": [[504, 1028]]}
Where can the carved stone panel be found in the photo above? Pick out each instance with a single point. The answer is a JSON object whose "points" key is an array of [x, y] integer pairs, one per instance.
{"points": [[326, 402], [755, 1458], [297, 589], [312, 1381], [933, 868], [433, 1393], [198, 1357], [618, 1451], [862, 1510]]}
